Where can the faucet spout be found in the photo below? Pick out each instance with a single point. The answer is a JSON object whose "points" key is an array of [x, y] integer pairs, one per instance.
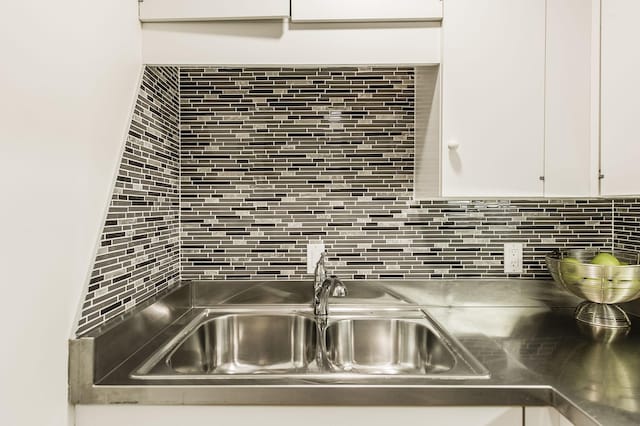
{"points": [[331, 286], [323, 285]]}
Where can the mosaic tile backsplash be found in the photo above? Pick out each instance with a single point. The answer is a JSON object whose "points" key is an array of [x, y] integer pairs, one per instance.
{"points": [[228, 173], [138, 255], [627, 224], [274, 158]]}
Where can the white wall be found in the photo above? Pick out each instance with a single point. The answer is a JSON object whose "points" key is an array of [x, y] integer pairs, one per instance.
{"points": [[67, 79]]}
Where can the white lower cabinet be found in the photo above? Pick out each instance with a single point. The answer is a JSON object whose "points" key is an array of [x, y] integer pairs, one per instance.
{"points": [[136, 415], [162, 415], [544, 416]]}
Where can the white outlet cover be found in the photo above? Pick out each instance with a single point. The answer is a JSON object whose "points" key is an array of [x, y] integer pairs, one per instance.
{"points": [[513, 258], [314, 250]]}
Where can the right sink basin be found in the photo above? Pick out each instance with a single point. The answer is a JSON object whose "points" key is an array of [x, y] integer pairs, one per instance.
{"points": [[386, 346], [405, 343]]}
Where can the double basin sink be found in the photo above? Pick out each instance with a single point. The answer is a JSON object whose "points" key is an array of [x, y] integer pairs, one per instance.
{"points": [[219, 344]]}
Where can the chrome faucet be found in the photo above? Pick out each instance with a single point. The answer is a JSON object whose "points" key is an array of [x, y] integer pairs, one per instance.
{"points": [[323, 285]]}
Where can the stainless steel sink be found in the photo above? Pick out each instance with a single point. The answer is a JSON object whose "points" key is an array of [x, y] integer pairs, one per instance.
{"points": [[281, 346], [386, 346]]}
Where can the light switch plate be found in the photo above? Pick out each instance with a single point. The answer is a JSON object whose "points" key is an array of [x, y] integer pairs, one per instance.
{"points": [[314, 250], [513, 258]]}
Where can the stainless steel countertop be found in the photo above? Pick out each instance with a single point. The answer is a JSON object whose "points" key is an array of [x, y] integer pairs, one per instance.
{"points": [[522, 331]]}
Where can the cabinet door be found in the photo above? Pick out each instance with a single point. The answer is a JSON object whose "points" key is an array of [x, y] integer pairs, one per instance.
{"points": [[158, 415], [544, 416], [207, 10], [571, 98], [493, 97], [620, 98], [365, 10]]}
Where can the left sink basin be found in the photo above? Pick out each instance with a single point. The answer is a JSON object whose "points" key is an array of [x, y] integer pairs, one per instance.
{"points": [[238, 344], [251, 344]]}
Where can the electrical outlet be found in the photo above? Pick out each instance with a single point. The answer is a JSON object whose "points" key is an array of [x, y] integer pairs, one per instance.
{"points": [[314, 250], [513, 258]]}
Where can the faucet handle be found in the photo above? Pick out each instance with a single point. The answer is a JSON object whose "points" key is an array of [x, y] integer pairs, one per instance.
{"points": [[338, 289]]}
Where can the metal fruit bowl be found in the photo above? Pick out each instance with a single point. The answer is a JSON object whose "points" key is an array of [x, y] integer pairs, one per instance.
{"points": [[604, 285]]}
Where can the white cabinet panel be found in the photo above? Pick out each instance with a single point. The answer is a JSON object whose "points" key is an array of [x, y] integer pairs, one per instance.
{"points": [[544, 416], [275, 43], [135, 415], [571, 100], [365, 10], [493, 97], [620, 133], [202, 10]]}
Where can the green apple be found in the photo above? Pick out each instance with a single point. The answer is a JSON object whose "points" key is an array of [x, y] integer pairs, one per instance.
{"points": [[570, 269], [605, 259]]}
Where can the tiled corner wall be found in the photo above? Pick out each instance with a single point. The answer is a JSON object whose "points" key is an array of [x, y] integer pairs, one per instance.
{"points": [[138, 253], [227, 173], [627, 224], [274, 158]]}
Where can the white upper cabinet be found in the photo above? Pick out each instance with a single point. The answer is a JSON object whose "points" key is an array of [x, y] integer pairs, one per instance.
{"points": [[520, 108], [571, 98], [206, 10], [365, 10], [620, 119], [493, 71]]}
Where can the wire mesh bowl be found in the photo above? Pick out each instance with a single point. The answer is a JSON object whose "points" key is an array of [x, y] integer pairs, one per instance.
{"points": [[601, 284]]}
